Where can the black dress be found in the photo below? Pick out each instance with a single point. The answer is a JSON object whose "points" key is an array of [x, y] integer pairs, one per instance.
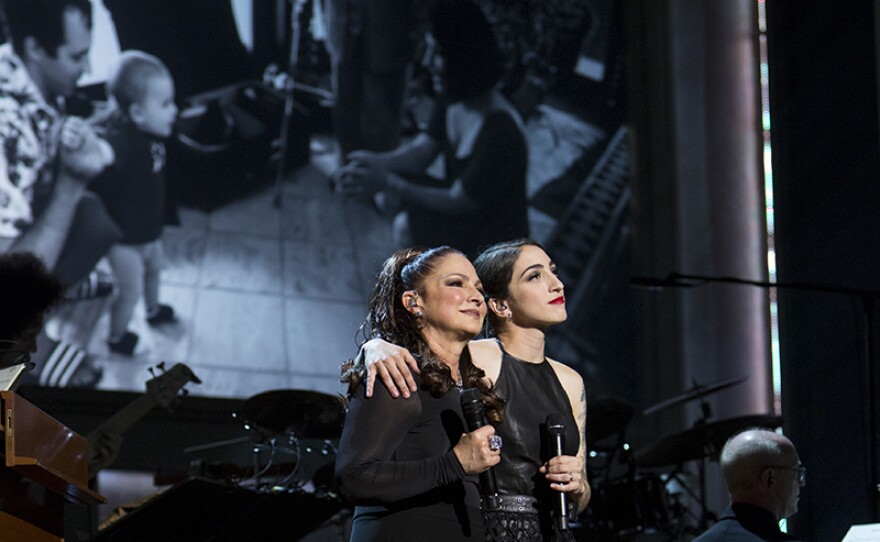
{"points": [[531, 391], [396, 462]]}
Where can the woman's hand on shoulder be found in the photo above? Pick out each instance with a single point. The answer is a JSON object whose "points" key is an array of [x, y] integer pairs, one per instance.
{"points": [[392, 365], [474, 452]]}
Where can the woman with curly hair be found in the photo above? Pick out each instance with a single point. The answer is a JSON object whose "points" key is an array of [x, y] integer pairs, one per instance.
{"points": [[411, 467]]}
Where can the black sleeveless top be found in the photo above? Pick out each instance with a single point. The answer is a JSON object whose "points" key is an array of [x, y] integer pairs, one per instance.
{"points": [[531, 391]]}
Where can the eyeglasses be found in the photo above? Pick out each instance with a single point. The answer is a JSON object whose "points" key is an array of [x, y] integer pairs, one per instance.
{"points": [[801, 472]]}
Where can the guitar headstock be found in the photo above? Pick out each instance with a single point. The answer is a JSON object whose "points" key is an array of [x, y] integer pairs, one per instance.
{"points": [[163, 389]]}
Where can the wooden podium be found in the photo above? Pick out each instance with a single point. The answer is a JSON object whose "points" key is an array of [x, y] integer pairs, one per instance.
{"points": [[43, 465]]}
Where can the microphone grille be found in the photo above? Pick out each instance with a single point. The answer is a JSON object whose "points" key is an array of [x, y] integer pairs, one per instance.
{"points": [[471, 403], [555, 423], [471, 394]]}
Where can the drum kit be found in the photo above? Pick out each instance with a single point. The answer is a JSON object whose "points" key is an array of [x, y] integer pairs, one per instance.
{"points": [[274, 483], [292, 437], [641, 494], [637, 494]]}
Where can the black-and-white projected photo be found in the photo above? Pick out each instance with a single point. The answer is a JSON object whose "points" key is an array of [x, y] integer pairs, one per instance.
{"points": [[218, 183]]}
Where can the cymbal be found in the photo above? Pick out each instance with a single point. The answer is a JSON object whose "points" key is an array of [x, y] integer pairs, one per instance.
{"points": [[305, 413], [700, 441], [696, 392]]}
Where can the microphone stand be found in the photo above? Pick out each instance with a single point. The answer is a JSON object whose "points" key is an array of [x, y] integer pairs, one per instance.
{"points": [[868, 300], [288, 84]]}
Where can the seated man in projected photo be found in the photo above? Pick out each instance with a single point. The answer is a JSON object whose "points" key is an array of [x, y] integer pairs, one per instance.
{"points": [[48, 158]]}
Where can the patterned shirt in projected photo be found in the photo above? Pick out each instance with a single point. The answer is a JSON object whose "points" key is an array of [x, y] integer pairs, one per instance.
{"points": [[28, 146]]}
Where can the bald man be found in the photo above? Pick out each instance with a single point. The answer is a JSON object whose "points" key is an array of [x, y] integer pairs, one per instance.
{"points": [[764, 477]]}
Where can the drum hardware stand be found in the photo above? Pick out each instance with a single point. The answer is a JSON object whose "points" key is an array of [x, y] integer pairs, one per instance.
{"points": [[625, 458], [288, 482], [218, 444], [706, 516], [285, 82]]}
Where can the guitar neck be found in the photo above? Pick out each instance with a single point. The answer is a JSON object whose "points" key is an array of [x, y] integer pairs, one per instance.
{"points": [[125, 418]]}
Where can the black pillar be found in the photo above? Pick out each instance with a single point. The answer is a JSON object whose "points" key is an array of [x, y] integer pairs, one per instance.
{"points": [[826, 162]]}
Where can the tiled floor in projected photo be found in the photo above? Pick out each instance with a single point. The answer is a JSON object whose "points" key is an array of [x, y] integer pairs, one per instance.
{"points": [[271, 298]]}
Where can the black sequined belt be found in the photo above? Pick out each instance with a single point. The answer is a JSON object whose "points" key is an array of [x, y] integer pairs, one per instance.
{"points": [[510, 503]]}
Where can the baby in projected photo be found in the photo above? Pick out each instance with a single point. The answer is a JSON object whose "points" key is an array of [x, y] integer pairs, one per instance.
{"points": [[133, 189]]}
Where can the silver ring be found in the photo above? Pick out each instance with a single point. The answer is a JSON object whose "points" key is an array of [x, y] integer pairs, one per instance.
{"points": [[494, 442], [570, 477]]}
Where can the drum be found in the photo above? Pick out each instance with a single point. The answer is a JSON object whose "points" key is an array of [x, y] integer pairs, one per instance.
{"points": [[630, 505]]}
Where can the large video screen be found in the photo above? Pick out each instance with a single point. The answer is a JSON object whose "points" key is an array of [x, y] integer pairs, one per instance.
{"points": [[267, 267]]}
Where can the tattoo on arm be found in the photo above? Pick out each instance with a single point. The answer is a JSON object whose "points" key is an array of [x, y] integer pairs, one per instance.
{"points": [[584, 497], [582, 426], [582, 415]]}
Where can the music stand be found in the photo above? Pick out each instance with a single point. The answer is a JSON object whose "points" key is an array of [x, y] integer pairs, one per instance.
{"points": [[12, 372]]}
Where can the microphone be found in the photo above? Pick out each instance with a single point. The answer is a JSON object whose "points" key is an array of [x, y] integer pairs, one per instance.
{"points": [[472, 408], [556, 444]]}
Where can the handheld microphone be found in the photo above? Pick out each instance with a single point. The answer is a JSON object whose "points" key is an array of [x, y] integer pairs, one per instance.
{"points": [[472, 408], [556, 444]]}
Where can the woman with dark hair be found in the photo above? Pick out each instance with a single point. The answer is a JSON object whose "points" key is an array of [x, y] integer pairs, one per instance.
{"points": [[410, 466], [482, 139], [525, 298]]}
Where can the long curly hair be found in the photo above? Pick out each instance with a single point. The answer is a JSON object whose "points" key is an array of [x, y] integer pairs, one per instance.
{"points": [[495, 268], [389, 320]]}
